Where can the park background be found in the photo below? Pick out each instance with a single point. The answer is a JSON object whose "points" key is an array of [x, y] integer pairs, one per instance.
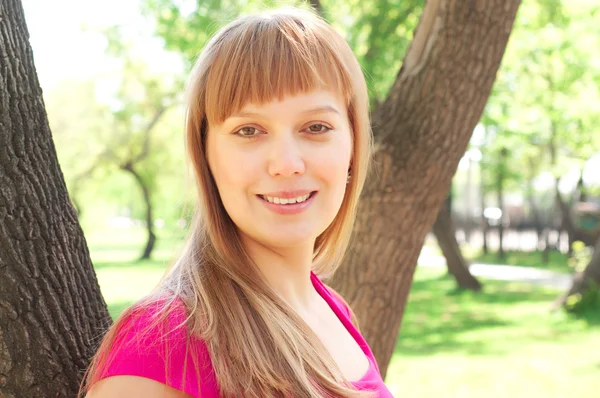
{"points": [[521, 218]]}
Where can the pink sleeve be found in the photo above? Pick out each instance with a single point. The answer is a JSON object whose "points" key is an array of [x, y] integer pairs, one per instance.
{"points": [[159, 353]]}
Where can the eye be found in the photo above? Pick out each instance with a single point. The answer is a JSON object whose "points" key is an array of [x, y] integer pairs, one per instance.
{"points": [[247, 131], [318, 128]]}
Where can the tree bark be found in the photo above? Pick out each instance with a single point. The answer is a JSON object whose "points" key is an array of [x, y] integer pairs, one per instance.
{"points": [[445, 233], [422, 129], [51, 309]]}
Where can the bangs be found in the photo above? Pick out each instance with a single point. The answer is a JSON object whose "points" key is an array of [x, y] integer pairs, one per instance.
{"points": [[268, 57]]}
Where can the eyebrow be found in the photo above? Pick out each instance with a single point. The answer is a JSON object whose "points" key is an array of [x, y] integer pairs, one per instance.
{"points": [[319, 109]]}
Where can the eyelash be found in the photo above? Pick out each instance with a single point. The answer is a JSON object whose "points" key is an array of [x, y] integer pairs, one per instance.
{"points": [[327, 129]]}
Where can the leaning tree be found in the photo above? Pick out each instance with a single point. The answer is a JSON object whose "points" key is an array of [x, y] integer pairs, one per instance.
{"points": [[422, 130]]}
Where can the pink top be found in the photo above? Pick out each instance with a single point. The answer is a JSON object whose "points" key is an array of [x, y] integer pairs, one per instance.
{"points": [[148, 360]]}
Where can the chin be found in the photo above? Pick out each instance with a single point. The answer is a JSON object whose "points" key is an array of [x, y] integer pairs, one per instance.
{"points": [[289, 237]]}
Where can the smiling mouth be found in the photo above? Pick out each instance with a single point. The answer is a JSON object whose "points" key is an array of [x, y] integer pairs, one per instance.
{"points": [[287, 201]]}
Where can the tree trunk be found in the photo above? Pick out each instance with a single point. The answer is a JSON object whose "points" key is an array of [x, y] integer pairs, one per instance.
{"points": [[585, 279], [51, 309], [468, 202], [149, 220], [445, 233], [537, 219], [422, 129], [500, 192], [484, 220], [547, 246], [566, 222]]}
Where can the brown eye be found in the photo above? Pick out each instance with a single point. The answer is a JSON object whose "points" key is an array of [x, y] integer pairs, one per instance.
{"points": [[318, 128], [247, 131]]}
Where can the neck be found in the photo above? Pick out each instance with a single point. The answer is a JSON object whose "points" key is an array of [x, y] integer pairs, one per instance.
{"points": [[287, 271]]}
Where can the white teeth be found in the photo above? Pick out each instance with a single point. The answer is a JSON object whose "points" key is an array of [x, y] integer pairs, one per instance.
{"points": [[284, 201]]}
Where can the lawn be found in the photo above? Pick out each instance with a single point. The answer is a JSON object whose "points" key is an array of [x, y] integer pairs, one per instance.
{"points": [[503, 342], [557, 261]]}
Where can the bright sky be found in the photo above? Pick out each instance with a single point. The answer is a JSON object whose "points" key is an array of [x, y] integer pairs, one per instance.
{"points": [[64, 39]]}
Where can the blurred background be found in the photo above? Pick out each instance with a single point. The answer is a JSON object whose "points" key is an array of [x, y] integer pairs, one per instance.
{"points": [[522, 217]]}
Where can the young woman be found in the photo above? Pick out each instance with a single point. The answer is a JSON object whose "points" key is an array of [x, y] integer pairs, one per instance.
{"points": [[279, 136]]}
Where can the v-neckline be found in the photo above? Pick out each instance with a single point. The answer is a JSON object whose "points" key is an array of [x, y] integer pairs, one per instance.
{"points": [[354, 333]]}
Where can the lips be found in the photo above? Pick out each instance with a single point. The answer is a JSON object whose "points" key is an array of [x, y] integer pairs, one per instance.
{"points": [[288, 194], [289, 208]]}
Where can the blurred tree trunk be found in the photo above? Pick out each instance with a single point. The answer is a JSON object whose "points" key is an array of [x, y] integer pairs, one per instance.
{"points": [[581, 191], [535, 213], [422, 130], [51, 309], [587, 278], [500, 191], [149, 220], [566, 220], [484, 220], [445, 233], [468, 202]]}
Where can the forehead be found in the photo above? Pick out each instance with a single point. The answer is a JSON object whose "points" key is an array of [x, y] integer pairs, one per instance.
{"points": [[316, 101]]}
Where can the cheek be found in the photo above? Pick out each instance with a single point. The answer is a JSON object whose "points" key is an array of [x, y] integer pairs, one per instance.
{"points": [[232, 171], [332, 165]]}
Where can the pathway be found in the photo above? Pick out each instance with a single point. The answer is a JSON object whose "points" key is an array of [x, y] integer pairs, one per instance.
{"points": [[503, 272]]}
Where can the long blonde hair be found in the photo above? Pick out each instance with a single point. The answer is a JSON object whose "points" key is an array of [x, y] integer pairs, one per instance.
{"points": [[255, 59]]}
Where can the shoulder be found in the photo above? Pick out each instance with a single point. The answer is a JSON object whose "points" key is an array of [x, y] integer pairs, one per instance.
{"points": [[126, 386], [151, 342]]}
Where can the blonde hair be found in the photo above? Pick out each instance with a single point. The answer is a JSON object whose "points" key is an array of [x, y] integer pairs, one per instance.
{"points": [[256, 59]]}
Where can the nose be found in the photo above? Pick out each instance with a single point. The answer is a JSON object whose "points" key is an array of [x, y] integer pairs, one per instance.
{"points": [[286, 156]]}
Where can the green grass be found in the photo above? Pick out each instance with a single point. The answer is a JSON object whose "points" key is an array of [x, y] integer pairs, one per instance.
{"points": [[503, 342], [122, 277], [557, 261]]}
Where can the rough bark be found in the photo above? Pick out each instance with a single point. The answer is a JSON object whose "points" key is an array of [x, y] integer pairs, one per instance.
{"points": [[422, 130], [583, 280], [445, 233], [51, 309]]}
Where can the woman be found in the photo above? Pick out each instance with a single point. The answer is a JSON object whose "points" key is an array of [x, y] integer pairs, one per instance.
{"points": [[279, 136]]}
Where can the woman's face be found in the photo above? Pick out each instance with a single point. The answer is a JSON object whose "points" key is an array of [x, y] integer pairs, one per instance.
{"points": [[281, 167]]}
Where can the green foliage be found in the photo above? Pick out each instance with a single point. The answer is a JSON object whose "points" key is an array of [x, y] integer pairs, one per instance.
{"points": [[545, 104], [589, 300], [99, 125], [581, 256], [378, 31]]}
